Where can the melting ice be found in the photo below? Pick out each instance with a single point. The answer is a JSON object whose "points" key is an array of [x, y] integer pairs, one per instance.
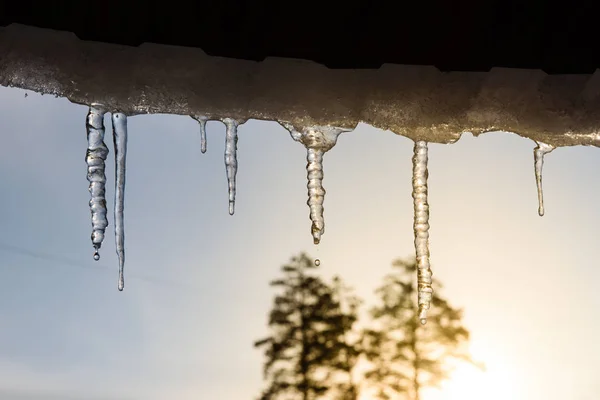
{"points": [[119, 122], [538, 157], [95, 159], [231, 165], [317, 140], [421, 228], [202, 122]]}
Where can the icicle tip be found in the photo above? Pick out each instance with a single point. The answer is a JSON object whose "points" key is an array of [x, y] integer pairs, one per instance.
{"points": [[423, 314]]}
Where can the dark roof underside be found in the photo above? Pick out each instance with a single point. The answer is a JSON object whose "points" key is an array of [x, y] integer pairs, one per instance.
{"points": [[452, 35]]}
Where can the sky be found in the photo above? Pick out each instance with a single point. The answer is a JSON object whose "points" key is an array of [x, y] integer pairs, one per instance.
{"points": [[196, 279]]}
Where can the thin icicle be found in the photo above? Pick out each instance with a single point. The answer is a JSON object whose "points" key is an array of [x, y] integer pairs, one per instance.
{"points": [[119, 122], [421, 228], [231, 164], [317, 140], [316, 192], [202, 122], [538, 157], [95, 159]]}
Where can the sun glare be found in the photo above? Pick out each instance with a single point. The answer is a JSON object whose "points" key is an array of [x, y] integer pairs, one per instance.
{"points": [[497, 382]]}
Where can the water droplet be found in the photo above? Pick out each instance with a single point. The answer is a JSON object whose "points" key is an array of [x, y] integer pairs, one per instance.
{"points": [[96, 255], [423, 321], [317, 262]]}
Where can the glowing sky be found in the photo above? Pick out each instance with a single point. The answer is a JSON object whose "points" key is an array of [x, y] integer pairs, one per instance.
{"points": [[196, 291]]}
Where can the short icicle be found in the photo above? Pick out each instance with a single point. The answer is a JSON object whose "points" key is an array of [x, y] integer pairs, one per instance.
{"points": [[95, 159], [119, 122], [538, 155], [317, 140], [202, 122], [421, 228], [231, 165]]}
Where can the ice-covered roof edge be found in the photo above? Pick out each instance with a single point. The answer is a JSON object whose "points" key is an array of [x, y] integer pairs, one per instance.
{"points": [[418, 102]]}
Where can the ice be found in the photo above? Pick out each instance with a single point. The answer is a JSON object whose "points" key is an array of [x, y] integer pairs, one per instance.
{"points": [[202, 122], [538, 156], [95, 159], [119, 122], [421, 228], [231, 165], [317, 140]]}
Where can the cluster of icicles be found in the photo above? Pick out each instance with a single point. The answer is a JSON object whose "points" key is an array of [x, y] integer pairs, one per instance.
{"points": [[317, 140]]}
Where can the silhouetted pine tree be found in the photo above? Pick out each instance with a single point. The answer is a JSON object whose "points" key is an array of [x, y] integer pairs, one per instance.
{"points": [[307, 350], [404, 355], [346, 388]]}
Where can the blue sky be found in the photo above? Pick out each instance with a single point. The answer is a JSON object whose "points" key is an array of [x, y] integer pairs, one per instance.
{"points": [[196, 279]]}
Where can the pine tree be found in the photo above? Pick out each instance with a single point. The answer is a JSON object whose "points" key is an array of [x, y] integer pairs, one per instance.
{"points": [[405, 356], [349, 344], [307, 346]]}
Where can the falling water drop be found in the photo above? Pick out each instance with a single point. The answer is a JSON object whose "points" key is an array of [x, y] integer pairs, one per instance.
{"points": [[202, 122], [96, 255], [317, 262], [231, 164], [95, 159], [538, 157], [119, 122], [317, 140], [421, 228]]}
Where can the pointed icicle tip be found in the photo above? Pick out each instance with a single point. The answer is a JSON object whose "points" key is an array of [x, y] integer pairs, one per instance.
{"points": [[317, 140], [119, 121], [121, 284], [231, 164], [538, 156], [421, 227]]}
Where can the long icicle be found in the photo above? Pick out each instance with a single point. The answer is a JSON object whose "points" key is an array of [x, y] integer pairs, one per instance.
{"points": [[421, 228], [95, 159], [316, 191], [119, 122], [538, 157], [231, 164]]}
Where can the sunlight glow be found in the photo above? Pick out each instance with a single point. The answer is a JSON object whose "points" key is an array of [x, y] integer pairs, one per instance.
{"points": [[497, 382]]}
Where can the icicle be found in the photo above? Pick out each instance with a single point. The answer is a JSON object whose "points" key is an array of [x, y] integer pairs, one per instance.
{"points": [[202, 122], [317, 140], [538, 156], [421, 228], [231, 165], [95, 159], [119, 122]]}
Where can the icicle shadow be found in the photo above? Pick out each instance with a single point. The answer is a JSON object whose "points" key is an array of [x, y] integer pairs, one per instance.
{"points": [[119, 123], [538, 156], [421, 228], [317, 140], [231, 164], [95, 159]]}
